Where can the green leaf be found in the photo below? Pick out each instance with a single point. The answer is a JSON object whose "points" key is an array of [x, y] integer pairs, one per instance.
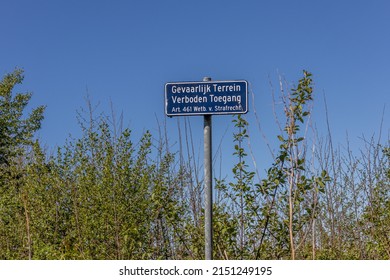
{"points": [[280, 137]]}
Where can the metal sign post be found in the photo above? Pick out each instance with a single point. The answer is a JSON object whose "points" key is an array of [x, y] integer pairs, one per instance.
{"points": [[207, 98], [208, 185]]}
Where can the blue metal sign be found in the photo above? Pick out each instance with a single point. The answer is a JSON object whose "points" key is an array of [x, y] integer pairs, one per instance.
{"points": [[206, 98]]}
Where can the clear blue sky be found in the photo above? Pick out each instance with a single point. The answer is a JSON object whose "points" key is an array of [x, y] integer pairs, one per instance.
{"points": [[125, 51]]}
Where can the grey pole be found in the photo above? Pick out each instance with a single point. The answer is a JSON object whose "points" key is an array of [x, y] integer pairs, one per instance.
{"points": [[208, 185]]}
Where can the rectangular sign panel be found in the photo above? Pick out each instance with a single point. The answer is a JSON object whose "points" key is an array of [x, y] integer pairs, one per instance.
{"points": [[206, 98]]}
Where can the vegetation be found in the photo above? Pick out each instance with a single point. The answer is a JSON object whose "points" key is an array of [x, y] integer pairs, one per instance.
{"points": [[104, 196]]}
